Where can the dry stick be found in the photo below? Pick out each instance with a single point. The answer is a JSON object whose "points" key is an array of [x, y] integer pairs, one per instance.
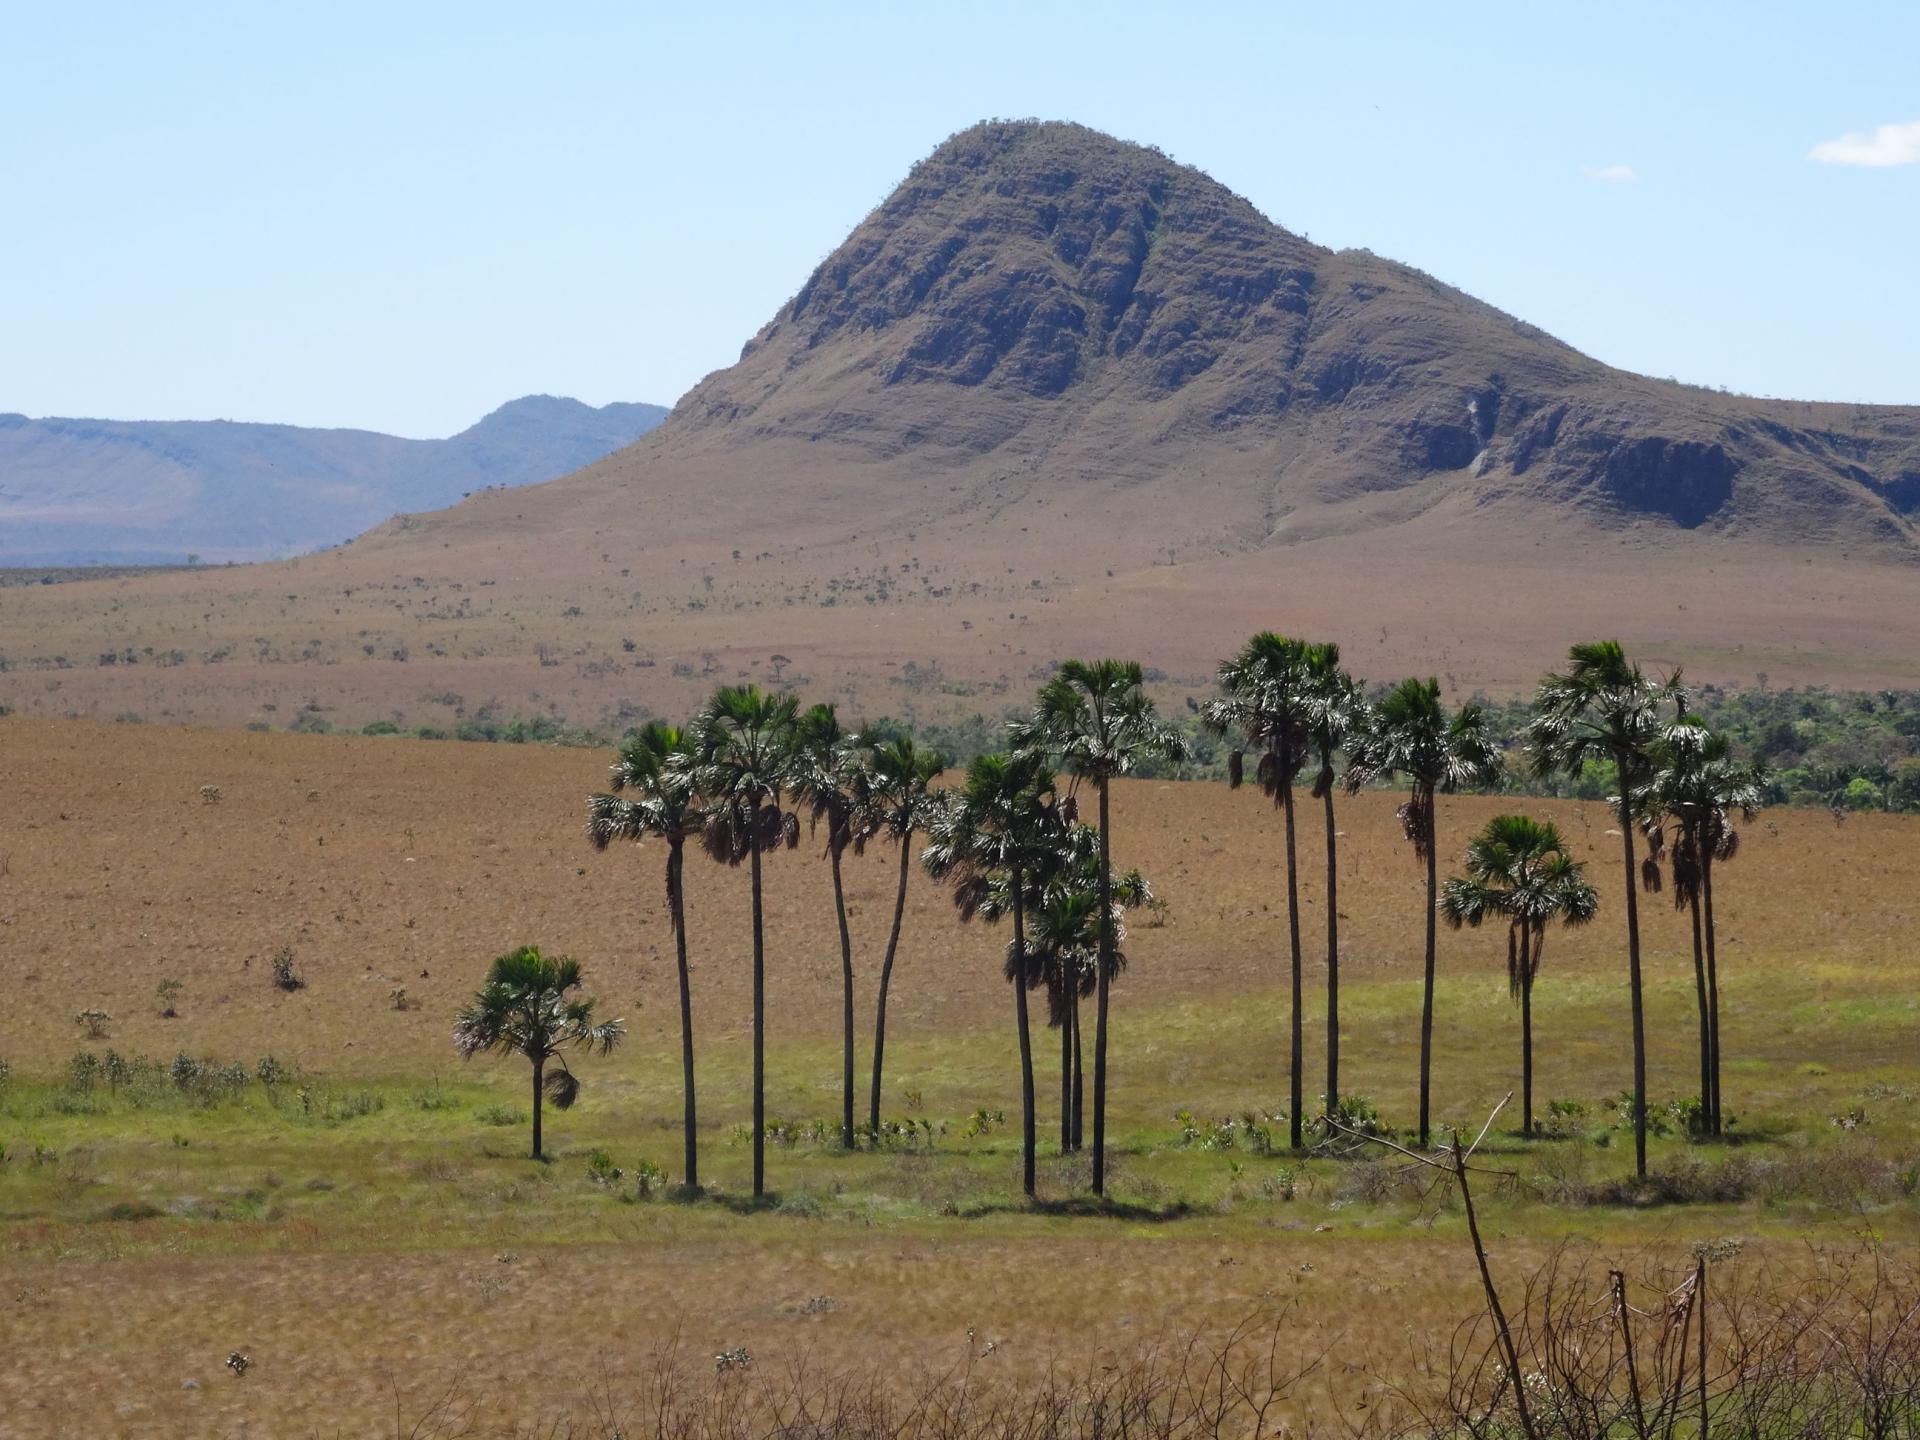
{"points": [[1486, 1281], [1625, 1315], [1509, 1352], [1700, 1299], [1670, 1403]]}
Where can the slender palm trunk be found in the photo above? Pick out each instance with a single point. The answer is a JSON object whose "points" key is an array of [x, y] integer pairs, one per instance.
{"points": [[539, 1068], [690, 1162], [1526, 1031], [846, 996], [1026, 1038], [1333, 954], [1066, 1063], [1079, 1082], [1426, 997], [1713, 979], [1100, 1020], [1706, 1016], [1633, 983], [1296, 1070], [886, 977], [759, 1019]]}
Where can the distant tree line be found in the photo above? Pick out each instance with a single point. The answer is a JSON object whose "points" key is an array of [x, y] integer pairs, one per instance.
{"points": [[1828, 749]]}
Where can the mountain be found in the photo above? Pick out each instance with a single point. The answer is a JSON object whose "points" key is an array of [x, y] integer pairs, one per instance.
{"points": [[1060, 395], [76, 492], [1081, 307]]}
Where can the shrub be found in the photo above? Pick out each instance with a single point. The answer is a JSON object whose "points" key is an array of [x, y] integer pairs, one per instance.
{"points": [[83, 1072], [270, 1072], [285, 974], [97, 1023], [166, 992], [500, 1115], [602, 1171], [6, 1075]]}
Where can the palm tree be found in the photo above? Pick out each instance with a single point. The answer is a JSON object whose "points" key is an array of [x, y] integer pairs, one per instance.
{"points": [[1520, 868], [1096, 716], [1695, 785], [1411, 735], [741, 743], [523, 1009], [1267, 693], [1335, 712], [991, 832], [653, 768], [1603, 707], [893, 798], [823, 767]]}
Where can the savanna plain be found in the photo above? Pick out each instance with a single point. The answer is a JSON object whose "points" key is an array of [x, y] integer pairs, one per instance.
{"points": [[359, 1217]]}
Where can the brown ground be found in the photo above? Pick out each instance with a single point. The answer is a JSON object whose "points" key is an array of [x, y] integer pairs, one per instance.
{"points": [[371, 1266], [378, 860]]}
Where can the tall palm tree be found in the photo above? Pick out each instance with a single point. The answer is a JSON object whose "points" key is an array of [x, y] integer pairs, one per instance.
{"points": [[1335, 712], [992, 831], [1096, 716], [523, 1009], [1520, 869], [1267, 695], [893, 799], [653, 769], [1604, 707], [823, 770], [1411, 736], [741, 743], [1694, 787]]}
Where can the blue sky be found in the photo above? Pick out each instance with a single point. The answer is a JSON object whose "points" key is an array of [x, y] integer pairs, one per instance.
{"points": [[398, 216]]}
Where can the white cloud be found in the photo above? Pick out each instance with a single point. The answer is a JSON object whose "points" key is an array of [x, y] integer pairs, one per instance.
{"points": [[1883, 145], [1618, 174]]}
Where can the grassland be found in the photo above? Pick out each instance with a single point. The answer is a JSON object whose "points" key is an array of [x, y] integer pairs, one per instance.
{"points": [[371, 1233]]}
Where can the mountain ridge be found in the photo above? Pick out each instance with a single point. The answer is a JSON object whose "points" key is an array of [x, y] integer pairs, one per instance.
{"points": [[76, 490]]}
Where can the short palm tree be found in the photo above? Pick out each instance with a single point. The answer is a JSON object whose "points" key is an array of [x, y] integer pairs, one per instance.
{"points": [[1410, 736], [741, 741], [655, 798], [991, 832], [1266, 698], [1519, 869], [823, 772], [523, 1009], [1604, 707], [1335, 713], [893, 798], [1694, 788], [1095, 715]]}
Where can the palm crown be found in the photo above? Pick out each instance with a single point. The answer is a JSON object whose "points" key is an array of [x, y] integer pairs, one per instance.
{"points": [[654, 769], [1519, 868], [1002, 818], [1409, 734], [523, 1009], [892, 791], [1602, 707], [1694, 784], [742, 747], [1268, 694], [1097, 718]]}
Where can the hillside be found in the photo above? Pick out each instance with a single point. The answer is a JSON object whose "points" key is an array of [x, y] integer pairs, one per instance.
{"points": [[1058, 394], [132, 492]]}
